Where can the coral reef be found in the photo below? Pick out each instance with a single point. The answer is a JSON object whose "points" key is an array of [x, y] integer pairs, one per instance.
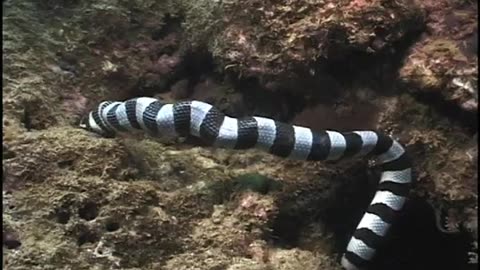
{"points": [[74, 200]]}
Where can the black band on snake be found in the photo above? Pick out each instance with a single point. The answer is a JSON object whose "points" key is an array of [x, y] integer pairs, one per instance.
{"points": [[215, 128]]}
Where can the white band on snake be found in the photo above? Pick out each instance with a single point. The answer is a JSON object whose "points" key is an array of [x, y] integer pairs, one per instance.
{"points": [[215, 128]]}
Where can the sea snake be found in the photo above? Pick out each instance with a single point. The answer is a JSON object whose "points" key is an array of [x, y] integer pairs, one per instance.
{"points": [[202, 120]]}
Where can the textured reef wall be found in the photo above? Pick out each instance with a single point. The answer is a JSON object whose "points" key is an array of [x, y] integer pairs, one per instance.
{"points": [[74, 200]]}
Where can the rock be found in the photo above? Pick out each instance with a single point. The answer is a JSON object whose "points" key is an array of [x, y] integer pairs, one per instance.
{"points": [[261, 43], [75, 200]]}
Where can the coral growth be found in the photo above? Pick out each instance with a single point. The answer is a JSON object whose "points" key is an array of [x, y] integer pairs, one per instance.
{"points": [[268, 38], [73, 199], [445, 59]]}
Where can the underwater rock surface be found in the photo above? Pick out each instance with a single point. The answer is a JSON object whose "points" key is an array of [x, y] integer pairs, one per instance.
{"points": [[74, 200]]}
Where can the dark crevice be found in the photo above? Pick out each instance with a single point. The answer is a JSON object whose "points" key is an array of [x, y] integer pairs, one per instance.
{"points": [[297, 212], [340, 217], [10, 240], [87, 237], [413, 242], [7, 153], [112, 226], [89, 211], [171, 24], [416, 243], [374, 71], [27, 119], [286, 230], [63, 216], [196, 65], [65, 164], [449, 109]]}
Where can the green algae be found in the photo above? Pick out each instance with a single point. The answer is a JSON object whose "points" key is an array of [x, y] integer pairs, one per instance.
{"points": [[256, 182]]}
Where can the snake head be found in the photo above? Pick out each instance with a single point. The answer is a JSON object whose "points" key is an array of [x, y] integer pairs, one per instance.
{"points": [[94, 123]]}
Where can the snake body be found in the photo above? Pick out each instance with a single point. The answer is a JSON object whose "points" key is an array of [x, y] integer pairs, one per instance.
{"points": [[288, 141]]}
